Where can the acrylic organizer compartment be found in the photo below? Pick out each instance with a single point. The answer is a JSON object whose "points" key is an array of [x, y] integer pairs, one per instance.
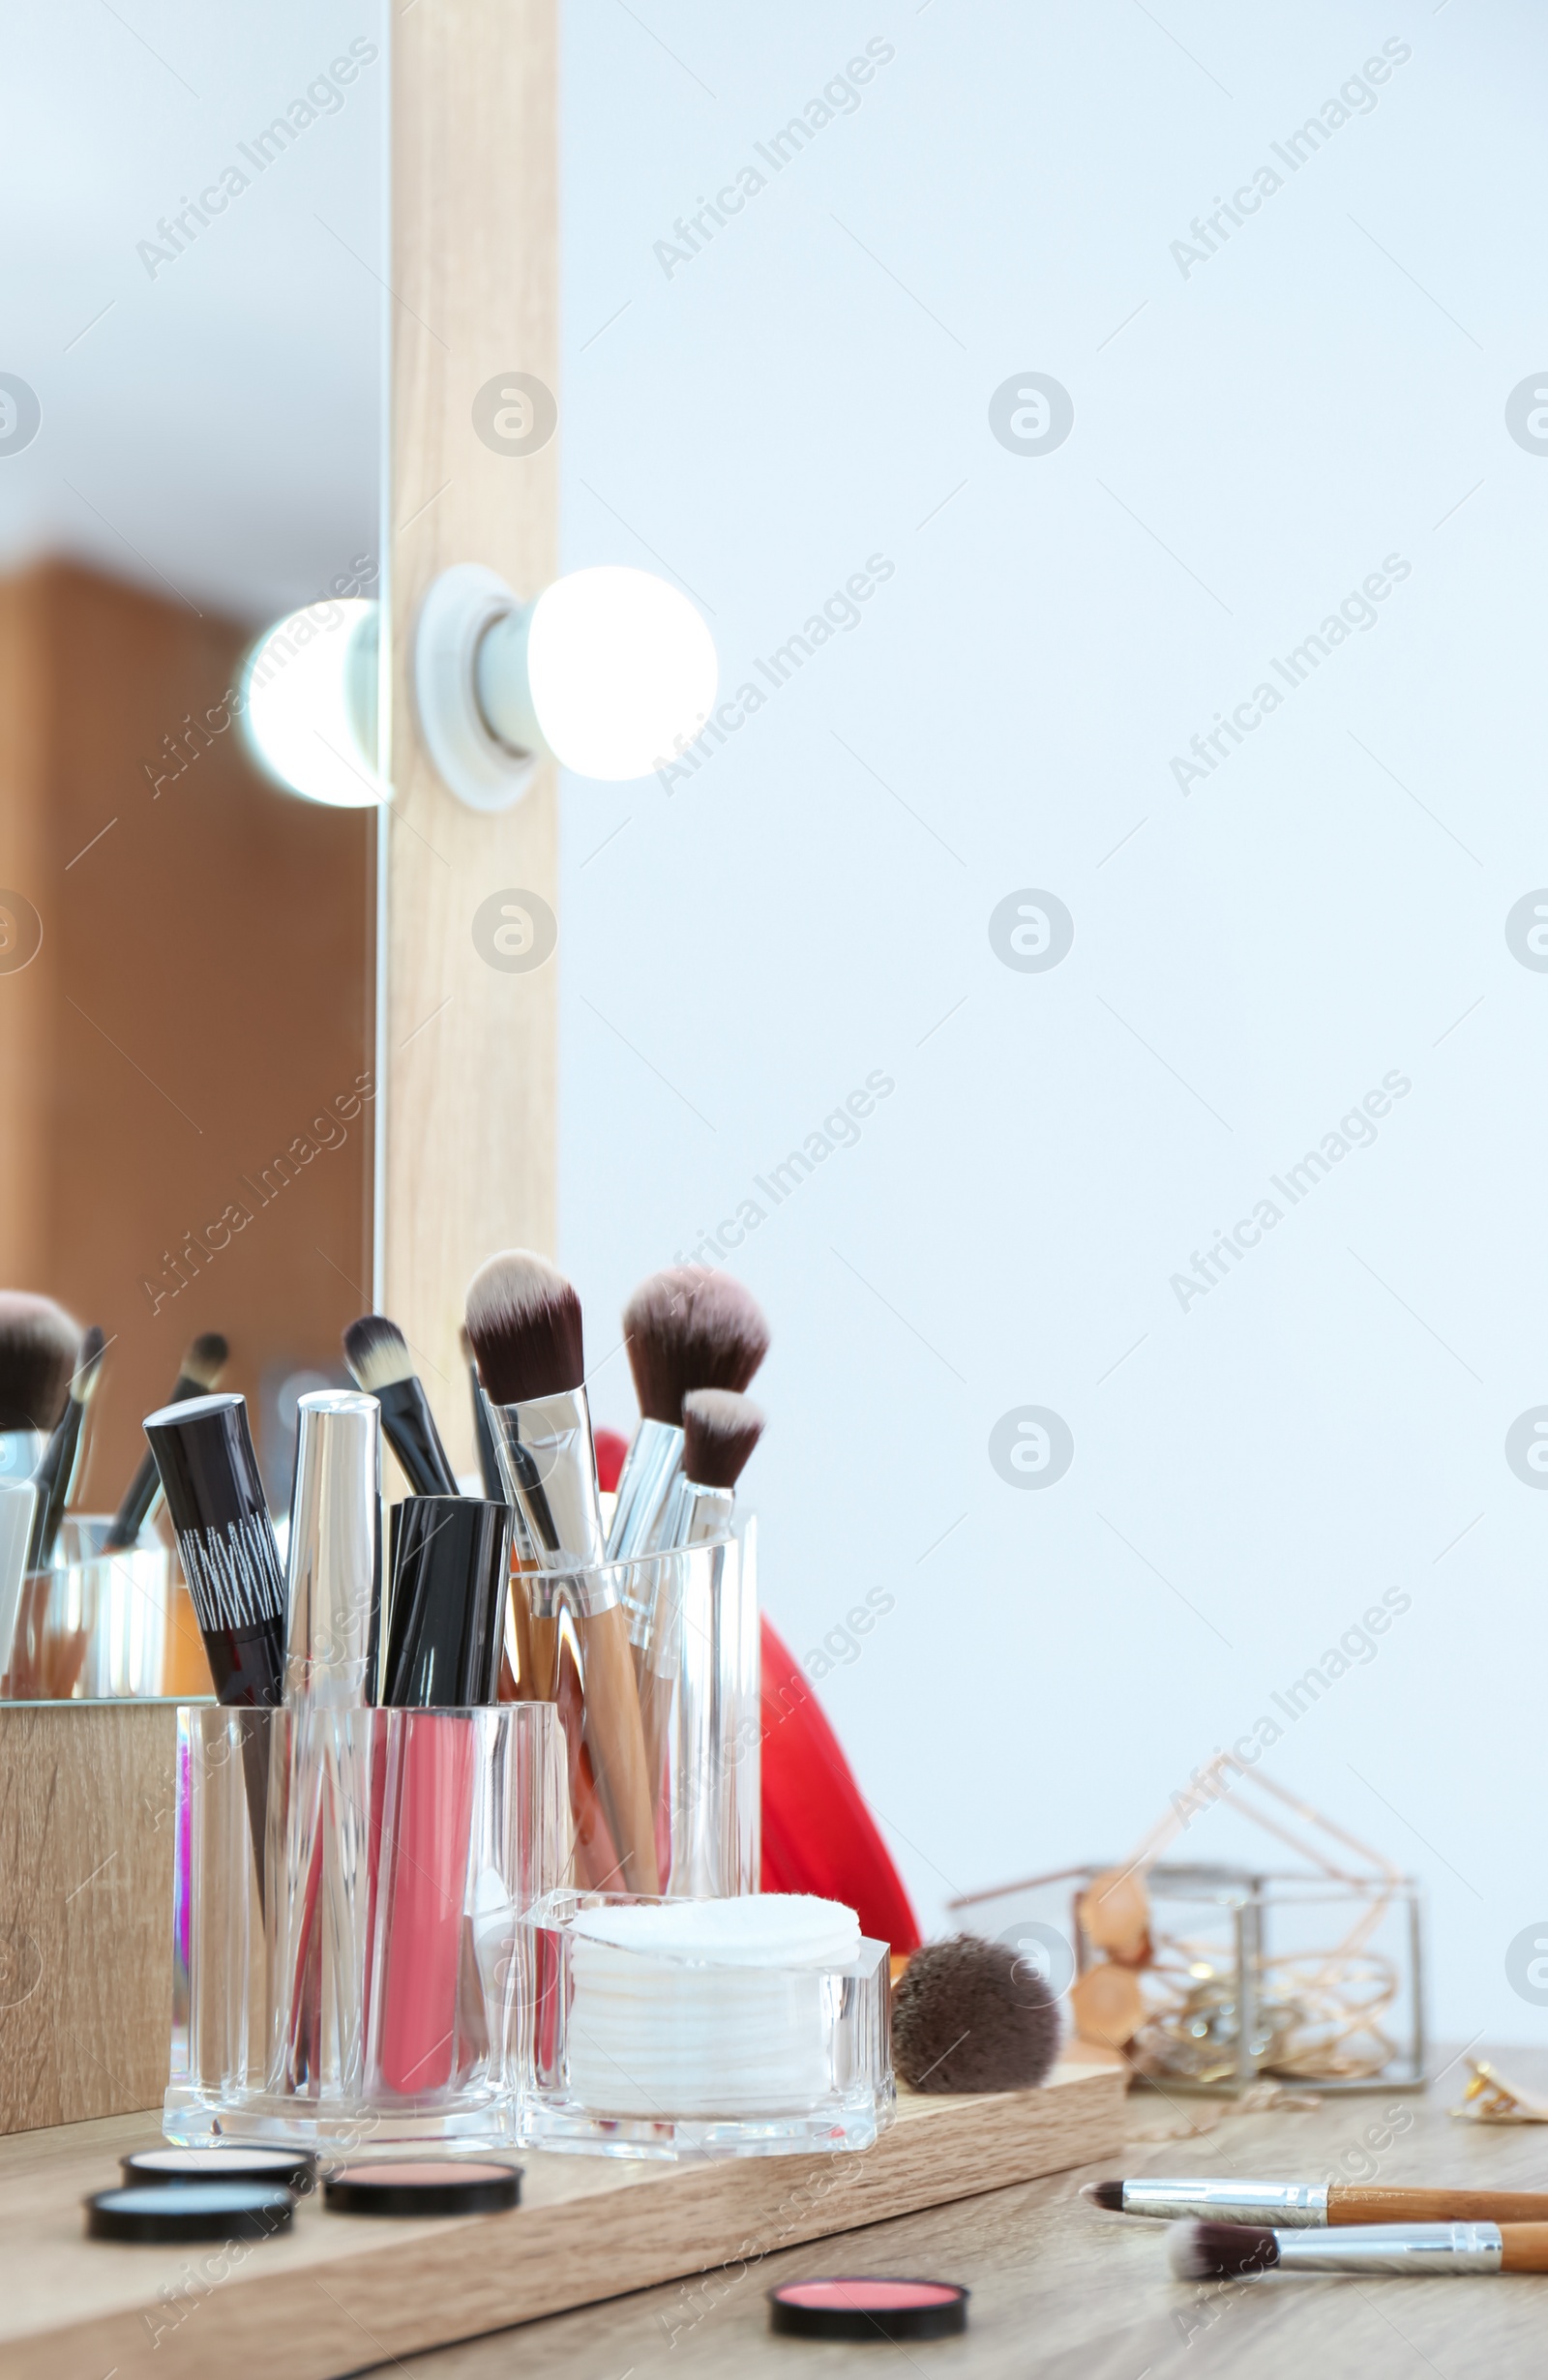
{"points": [[93, 1627], [667, 2029], [694, 1637], [366, 1993]]}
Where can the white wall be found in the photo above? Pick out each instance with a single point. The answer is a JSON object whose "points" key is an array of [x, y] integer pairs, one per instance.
{"points": [[1323, 911]]}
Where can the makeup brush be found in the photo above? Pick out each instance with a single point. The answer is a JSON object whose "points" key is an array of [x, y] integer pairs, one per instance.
{"points": [[720, 1430], [203, 1363], [1233, 2251], [379, 1360], [39, 1350], [53, 1476], [687, 1328], [523, 1319], [1311, 2205], [488, 1462], [973, 2016]]}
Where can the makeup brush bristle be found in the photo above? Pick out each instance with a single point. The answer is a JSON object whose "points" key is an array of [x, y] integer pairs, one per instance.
{"points": [[39, 1346], [973, 2016], [376, 1352], [1109, 2194], [89, 1365], [691, 1328], [523, 1319], [1220, 2251], [206, 1359], [720, 1430]]}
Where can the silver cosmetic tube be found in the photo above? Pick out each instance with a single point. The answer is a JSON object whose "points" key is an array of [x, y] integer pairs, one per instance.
{"points": [[1291, 2204], [652, 1470], [1393, 2248], [335, 1567]]}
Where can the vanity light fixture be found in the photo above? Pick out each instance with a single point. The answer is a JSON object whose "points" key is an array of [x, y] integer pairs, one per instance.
{"points": [[604, 671]]}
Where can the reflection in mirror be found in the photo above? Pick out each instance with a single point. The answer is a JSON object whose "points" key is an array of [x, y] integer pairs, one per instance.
{"points": [[190, 400]]}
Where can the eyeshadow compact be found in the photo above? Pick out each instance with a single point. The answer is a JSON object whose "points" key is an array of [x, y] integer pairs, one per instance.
{"points": [[427, 2186], [283, 2169], [168, 2210], [857, 2308]]}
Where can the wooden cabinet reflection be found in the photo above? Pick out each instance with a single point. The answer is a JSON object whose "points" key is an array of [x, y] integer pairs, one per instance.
{"points": [[186, 1090]]}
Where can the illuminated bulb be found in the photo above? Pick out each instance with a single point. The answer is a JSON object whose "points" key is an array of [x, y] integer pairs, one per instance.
{"points": [[605, 671], [311, 716]]}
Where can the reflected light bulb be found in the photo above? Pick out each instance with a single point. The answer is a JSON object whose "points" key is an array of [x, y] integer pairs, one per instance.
{"points": [[605, 671], [309, 684]]}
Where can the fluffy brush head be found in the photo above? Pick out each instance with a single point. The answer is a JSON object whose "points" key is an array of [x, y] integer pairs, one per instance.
{"points": [[973, 2016], [376, 1352], [720, 1430], [523, 1319], [206, 1359], [88, 1369], [691, 1328], [39, 1346], [1220, 2251]]}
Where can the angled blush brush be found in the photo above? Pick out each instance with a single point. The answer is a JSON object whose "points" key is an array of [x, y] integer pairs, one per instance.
{"points": [[379, 1363], [685, 1328], [523, 1319], [58, 1464], [202, 1364]]}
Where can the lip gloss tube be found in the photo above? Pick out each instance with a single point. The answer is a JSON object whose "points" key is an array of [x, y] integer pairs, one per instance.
{"points": [[450, 1570]]}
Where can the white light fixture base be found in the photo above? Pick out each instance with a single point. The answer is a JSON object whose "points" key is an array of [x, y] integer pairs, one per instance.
{"points": [[460, 604]]}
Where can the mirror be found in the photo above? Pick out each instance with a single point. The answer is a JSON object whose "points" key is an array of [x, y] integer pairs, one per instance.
{"points": [[191, 397]]}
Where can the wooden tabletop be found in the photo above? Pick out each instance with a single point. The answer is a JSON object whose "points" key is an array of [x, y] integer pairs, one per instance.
{"points": [[1062, 2290]]}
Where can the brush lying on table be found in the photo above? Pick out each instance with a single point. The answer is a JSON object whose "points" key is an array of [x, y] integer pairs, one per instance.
{"points": [[1237, 2251], [1311, 2205]]}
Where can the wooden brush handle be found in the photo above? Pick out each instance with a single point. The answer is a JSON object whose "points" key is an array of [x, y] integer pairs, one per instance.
{"points": [[1348, 2203], [543, 1641], [1526, 2246], [617, 1743]]}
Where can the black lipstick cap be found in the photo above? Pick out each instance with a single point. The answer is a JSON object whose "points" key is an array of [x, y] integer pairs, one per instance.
{"points": [[209, 1474], [451, 1570]]}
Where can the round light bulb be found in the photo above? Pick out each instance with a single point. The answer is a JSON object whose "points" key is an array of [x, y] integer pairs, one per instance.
{"points": [[619, 665], [310, 689]]}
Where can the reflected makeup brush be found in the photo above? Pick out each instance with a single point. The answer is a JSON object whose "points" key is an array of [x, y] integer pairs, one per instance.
{"points": [[57, 1466], [39, 1346], [687, 1328], [1235, 2251], [523, 1319], [379, 1362], [203, 1363]]}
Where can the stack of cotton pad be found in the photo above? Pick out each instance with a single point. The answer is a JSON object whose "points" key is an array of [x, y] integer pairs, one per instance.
{"points": [[702, 2008]]}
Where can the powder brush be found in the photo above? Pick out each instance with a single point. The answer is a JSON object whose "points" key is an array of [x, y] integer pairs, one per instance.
{"points": [[1310, 2205], [523, 1319], [379, 1363], [203, 1363], [54, 1471], [39, 1348], [720, 1430], [1237, 2251], [687, 1328]]}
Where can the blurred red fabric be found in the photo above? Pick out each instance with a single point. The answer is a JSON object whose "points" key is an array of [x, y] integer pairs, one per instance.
{"points": [[612, 1447], [818, 1834]]}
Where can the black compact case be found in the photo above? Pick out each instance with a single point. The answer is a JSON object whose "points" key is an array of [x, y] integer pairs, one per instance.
{"points": [[451, 1570]]}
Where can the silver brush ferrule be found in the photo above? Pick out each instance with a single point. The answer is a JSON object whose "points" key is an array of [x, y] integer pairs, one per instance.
{"points": [[1393, 2248], [549, 1464], [651, 1469], [698, 1515], [335, 1567], [1292, 2204]]}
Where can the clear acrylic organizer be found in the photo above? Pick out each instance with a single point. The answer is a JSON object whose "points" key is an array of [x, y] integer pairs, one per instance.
{"points": [[653, 2056], [356, 1985], [694, 1633], [93, 1625]]}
